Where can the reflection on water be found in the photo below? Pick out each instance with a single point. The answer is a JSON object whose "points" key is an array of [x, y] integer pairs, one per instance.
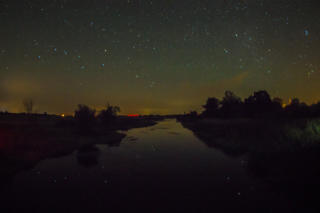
{"points": [[88, 156], [164, 167]]}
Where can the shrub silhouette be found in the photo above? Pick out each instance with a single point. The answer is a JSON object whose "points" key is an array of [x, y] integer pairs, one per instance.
{"points": [[315, 110], [84, 116], [297, 109], [109, 114], [260, 104], [232, 106], [211, 107], [277, 101]]}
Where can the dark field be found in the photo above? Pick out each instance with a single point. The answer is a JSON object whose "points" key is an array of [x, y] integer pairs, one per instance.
{"points": [[282, 152]]}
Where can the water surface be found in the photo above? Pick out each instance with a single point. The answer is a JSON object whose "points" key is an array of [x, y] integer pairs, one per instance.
{"points": [[158, 168]]}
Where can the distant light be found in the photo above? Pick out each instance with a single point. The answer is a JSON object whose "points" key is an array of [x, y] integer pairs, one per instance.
{"points": [[63, 115], [133, 115]]}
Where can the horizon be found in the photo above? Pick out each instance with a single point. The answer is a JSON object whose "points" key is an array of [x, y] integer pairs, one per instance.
{"points": [[199, 108]]}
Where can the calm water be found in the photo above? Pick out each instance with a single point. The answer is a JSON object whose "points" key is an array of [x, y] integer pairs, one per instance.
{"points": [[159, 168]]}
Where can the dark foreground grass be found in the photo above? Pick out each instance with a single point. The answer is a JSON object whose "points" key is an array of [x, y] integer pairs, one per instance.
{"points": [[27, 139], [284, 153], [240, 136]]}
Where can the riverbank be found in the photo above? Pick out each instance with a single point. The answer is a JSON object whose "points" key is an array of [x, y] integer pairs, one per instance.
{"points": [[27, 139], [240, 136], [283, 153]]}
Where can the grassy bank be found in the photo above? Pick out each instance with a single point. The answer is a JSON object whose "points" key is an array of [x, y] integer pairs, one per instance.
{"points": [[27, 139], [284, 153], [239, 136]]}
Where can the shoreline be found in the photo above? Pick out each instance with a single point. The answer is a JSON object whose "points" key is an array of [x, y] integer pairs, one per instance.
{"points": [[27, 140]]}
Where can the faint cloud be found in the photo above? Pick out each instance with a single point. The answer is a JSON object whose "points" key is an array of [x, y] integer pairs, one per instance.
{"points": [[236, 80], [235, 83], [20, 88]]}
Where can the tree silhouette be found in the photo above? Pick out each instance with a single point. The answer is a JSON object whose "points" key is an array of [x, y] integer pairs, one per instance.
{"points": [[84, 116], [260, 104], [192, 114], [211, 107], [109, 114], [231, 105], [28, 105], [297, 109], [315, 109], [277, 106], [277, 101], [261, 97]]}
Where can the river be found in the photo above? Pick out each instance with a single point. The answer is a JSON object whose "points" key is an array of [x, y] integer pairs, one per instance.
{"points": [[158, 168]]}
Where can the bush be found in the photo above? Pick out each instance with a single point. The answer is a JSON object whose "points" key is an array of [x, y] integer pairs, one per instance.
{"points": [[109, 114], [85, 116]]}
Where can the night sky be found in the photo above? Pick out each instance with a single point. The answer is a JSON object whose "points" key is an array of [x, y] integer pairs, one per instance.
{"points": [[165, 56]]}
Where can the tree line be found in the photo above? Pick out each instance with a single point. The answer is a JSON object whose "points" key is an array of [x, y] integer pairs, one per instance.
{"points": [[259, 104], [85, 116]]}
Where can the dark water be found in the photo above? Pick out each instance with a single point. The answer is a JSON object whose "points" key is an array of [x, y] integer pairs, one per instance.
{"points": [[163, 168]]}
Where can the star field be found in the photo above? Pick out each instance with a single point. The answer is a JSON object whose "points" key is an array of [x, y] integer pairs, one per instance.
{"points": [[155, 56]]}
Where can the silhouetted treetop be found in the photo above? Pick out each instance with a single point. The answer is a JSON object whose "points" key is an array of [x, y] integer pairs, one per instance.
{"points": [[259, 97], [259, 104], [231, 105], [84, 116], [230, 99], [212, 104], [211, 107], [277, 101], [109, 114]]}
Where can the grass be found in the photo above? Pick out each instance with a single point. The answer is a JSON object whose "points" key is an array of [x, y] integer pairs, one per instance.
{"points": [[239, 136], [279, 148], [285, 153], [27, 139]]}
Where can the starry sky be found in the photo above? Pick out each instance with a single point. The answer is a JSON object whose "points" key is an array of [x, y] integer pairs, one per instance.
{"points": [[160, 57]]}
